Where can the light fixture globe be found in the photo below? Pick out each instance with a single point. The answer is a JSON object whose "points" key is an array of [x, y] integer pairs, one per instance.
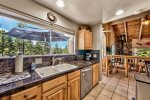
{"points": [[119, 12], [60, 3]]}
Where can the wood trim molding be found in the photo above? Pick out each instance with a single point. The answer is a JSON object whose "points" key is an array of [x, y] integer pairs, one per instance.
{"points": [[141, 27], [125, 27], [34, 19]]}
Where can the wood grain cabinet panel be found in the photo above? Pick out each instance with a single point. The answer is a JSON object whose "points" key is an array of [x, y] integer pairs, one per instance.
{"points": [[88, 40], [74, 86], [85, 40], [55, 89], [4, 98], [59, 93], [95, 74], [33, 93]]}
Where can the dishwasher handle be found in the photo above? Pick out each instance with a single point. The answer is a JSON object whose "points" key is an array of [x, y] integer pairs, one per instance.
{"points": [[85, 70]]}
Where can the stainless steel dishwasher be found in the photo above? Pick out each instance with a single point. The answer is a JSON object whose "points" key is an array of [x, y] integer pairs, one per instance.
{"points": [[86, 81]]}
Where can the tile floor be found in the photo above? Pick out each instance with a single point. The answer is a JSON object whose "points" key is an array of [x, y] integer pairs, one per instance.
{"points": [[114, 87]]}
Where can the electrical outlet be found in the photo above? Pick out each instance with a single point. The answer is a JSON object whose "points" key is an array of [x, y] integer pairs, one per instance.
{"points": [[38, 60]]}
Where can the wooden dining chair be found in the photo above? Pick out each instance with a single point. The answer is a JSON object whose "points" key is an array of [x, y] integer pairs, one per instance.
{"points": [[108, 65], [131, 63], [121, 65], [142, 66]]}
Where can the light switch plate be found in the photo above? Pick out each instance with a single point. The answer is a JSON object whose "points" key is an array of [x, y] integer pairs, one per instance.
{"points": [[38, 60]]}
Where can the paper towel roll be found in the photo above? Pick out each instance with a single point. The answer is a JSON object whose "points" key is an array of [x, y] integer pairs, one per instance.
{"points": [[19, 64]]}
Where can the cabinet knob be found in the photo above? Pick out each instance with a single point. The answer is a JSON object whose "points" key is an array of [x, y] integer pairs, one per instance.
{"points": [[25, 96]]}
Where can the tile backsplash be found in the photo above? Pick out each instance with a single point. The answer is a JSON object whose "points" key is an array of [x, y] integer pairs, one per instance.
{"points": [[8, 64]]}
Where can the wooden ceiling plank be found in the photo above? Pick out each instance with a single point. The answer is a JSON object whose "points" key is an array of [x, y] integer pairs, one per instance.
{"points": [[140, 33], [125, 27]]}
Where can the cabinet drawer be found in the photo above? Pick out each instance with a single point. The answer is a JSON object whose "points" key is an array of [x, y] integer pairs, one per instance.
{"points": [[29, 94], [54, 83], [73, 75]]}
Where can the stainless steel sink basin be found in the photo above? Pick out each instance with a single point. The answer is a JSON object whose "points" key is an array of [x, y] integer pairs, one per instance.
{"points": [[65, 67], [46, 71]]}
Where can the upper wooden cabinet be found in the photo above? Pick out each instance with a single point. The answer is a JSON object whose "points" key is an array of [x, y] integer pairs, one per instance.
{"points": [[95, 74], [74, 86], [55, 89], [33, 93], [84, 40]]}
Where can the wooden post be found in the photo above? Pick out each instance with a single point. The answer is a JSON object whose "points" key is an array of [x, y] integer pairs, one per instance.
{"points": [[136, 62], [126, 66], [107, 66], [140, 33], [125, 29]]}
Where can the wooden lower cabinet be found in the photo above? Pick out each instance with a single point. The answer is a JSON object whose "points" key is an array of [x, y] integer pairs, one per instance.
{"points": [[4, 98], [66, 87], [56, 94], [33, 93], [95, 74], [55, 89], [74, 86]]}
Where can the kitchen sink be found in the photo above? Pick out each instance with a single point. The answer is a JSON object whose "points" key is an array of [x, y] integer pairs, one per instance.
{"points": [[65, 67], [51, 70], [46, 71]]}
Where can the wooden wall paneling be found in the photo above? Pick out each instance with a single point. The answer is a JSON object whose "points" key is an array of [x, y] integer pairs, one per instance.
{"points": [[133, 28], [119, 29], [145, 31]]}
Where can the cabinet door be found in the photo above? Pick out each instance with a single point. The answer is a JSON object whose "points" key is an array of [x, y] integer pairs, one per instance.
{"points": [[56, 94], [95, 74], [4, 98], [33, 93], [88, 40], [74, 89], [81, 39]]}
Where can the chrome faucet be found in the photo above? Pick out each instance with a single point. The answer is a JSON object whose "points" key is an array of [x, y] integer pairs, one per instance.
{"points": [[55, 59]]}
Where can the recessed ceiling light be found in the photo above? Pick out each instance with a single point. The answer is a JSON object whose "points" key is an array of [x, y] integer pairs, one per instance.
{"points": [[136, 12], [119, 12], [60, 3]]}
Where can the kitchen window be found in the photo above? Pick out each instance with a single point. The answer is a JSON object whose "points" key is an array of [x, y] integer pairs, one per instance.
{"points": [[17, 36]]}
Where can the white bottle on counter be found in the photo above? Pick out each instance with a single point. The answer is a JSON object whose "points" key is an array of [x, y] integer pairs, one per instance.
{"points": [[19, 63]]}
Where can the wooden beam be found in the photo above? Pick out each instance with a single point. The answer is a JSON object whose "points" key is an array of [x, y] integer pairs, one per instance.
{"points": [[125, 27], [140, 33]]}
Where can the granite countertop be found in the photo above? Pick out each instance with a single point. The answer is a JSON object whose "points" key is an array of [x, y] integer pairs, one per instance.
{"points": [[142, 78], [35, 79]]}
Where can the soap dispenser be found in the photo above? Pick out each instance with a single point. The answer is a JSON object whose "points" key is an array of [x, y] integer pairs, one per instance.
{"points": [[33, 66]]}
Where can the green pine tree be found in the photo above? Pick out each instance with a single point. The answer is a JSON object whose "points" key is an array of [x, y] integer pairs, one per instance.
{"points": [[56, 49]]}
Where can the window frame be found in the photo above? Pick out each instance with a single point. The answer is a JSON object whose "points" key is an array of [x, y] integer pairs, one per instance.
{"points": [[45, 25]]}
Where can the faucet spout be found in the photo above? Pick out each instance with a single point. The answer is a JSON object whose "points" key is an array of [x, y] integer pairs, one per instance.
{"points": [[55, 59]]}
